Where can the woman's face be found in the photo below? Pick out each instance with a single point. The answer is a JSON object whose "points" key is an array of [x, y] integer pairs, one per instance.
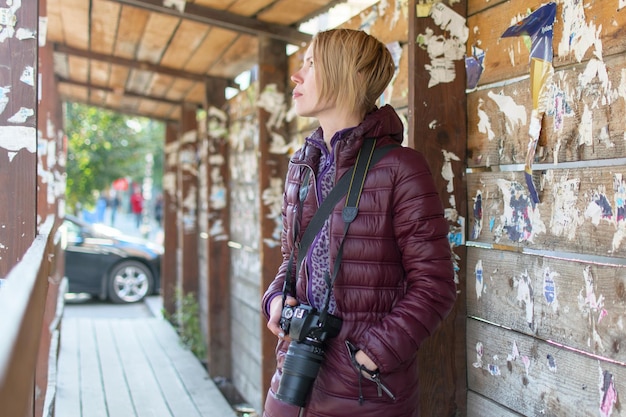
{"points": [[306, 94]]}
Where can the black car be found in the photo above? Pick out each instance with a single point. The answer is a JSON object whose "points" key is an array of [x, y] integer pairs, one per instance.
{"points": [[103, 262]]}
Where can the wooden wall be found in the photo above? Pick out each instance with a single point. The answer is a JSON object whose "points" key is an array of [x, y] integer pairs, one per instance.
{"points": [[546, 295], [244, 241]]}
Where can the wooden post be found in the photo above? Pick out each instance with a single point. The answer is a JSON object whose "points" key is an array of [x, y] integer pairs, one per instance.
{"points": [[188, 200], [214, 221], [170, 227], [273, 76], [18, 137], [50, 148], [438, 129]]}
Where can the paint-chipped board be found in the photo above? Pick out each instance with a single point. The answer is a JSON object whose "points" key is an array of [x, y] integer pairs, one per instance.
{"points": [[157, 34], [75, 16], [399, 86], [179, 89], [240, 57], [61, 67], [388, 21], [536, 378], [133, 22], [288, 12], [476, 6], [479, 406], [580, 210], [578, 304], [104, 25], [585, 118], [210, 50], [184, 43], [507, 58]]}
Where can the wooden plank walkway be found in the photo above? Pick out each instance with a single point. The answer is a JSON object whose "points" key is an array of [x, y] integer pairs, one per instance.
{"points": [[131, 367]]}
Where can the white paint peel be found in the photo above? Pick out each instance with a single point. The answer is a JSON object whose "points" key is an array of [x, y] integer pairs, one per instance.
{"points": [[15, 138], [515, 113], [4, 97], [443, 51], [484, 124], [566, 217], [480, 277], [578, 36], [446, 170]]}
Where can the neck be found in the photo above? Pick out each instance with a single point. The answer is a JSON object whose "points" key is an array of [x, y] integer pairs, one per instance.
{"points": [[335, 123]]}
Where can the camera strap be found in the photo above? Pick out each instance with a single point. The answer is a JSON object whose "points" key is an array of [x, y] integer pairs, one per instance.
{"points": [[350, 183]]}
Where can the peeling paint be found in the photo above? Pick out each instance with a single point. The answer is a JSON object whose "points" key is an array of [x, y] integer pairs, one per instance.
{"points": [[565, 218], [578, 35], [444, 51], [619, 189], [272, 198], [525, 296], [515, 113], [520, 220], [484, 124], [599, 207], [478, 215], [550, 288], [479, 355], [608, 393], [478, 274]]}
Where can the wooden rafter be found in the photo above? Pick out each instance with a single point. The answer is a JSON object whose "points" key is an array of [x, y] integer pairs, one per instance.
{"points": [[224, 19]]}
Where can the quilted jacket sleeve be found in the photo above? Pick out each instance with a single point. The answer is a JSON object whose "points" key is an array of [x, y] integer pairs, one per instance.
{"points": [[430, 291]]}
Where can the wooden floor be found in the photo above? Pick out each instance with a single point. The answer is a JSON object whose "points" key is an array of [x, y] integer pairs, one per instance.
{"points": [[119, 367]]}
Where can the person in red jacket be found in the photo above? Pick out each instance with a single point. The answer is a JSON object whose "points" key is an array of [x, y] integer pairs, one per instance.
{"points": [[349, 327], [136, 206]]}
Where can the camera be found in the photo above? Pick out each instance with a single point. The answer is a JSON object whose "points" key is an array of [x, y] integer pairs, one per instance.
{"points": [[308, 329]]}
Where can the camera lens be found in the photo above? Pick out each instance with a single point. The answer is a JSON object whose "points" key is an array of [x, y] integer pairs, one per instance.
{"points": [[300, 369]]}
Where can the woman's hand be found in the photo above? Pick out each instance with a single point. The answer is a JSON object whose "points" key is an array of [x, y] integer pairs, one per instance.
{"points": [[276, 310], [362, 359]]}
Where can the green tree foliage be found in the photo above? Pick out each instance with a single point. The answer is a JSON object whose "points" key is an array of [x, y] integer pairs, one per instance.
{"points": [[104, 146]]}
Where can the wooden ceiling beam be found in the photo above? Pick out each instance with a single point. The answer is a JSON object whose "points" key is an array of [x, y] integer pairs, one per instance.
{"points": [[116, 91], [223, 19], [145, 66]]}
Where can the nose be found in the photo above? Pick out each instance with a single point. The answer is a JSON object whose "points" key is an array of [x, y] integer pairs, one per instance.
{"points": [[296, 78]]}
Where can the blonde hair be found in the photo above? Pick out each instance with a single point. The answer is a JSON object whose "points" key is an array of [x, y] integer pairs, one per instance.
{"points": [[354, 68]]}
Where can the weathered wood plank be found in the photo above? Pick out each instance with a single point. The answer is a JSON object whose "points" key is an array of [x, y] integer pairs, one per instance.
{"points": [[204, 393], [210, 50], [288, 12], [241, 56], [507, 58], [92, 400], [184, 43], [139, 373], [78, 68], [116, 390], [476, 6], [68, 391], [479, 406], [75, 16], [104, 21], [577, 304], [179, 89], [389, 22], [585, 118], [156, 36], [131, 26], [173, 390], [580, 210], [536, 378]]}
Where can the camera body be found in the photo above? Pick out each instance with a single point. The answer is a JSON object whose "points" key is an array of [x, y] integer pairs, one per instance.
{"points": [[308, 329], [303, 322]]}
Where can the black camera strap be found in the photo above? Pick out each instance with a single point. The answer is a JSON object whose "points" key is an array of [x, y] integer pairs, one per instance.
{"points": [[350, 183]]}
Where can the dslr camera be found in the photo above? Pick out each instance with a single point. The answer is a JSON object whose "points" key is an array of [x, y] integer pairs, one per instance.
{"points": [[308, 329]]}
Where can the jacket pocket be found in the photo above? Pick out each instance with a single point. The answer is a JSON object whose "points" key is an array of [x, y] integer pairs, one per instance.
{"points": [[363, 372]]}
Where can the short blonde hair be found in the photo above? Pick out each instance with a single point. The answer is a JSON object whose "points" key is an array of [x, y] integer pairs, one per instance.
{"points": [[353, 68]]}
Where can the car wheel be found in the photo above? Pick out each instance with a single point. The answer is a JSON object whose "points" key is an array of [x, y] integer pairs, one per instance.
{"points": [[129, 282]]}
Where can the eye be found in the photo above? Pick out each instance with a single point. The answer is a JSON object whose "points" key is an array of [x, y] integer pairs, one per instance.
{"points": [[310, 63]]}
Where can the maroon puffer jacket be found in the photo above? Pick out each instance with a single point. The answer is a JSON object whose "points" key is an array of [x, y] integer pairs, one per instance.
{"points": [[396, 281]]}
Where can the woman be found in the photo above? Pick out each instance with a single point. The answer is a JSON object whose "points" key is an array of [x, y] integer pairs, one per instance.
{"points": [[395, 282]]}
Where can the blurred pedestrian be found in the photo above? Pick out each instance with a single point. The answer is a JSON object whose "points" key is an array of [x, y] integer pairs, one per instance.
{"points": [[136, 206]]}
